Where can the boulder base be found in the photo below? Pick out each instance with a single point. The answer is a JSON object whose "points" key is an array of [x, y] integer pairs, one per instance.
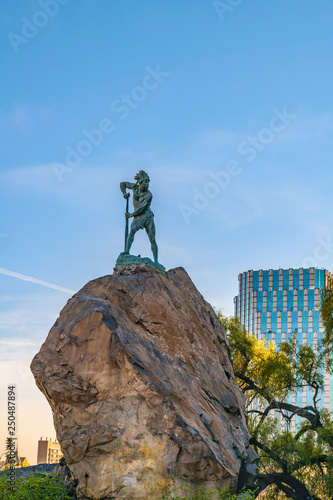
{"points": [[138, 375]]}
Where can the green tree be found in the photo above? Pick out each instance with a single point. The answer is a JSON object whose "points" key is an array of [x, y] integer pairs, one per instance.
{"points": [[327, 317], [291, 465], [189, 493], [36, 487]]}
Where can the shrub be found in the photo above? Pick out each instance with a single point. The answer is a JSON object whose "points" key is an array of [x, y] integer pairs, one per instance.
{"points": [[190, 493], [36, 487]]}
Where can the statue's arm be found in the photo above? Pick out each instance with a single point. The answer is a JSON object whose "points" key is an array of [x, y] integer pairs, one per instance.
{"points": [[124, 185], [139, 210], [144, 205]]}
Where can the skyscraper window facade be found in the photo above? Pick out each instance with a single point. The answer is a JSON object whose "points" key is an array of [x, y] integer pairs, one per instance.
{"points": [[274, 304]]}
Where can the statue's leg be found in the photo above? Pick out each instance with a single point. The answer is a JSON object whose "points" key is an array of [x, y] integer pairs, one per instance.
{"points": [[150, 230], [134, 228]]}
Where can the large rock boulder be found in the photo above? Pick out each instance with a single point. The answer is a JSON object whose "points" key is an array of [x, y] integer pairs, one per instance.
{"points": [[138, 374]]}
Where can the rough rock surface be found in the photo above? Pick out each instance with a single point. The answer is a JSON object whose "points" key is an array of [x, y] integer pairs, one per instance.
{"points": [[138, 374], [33, 470]]}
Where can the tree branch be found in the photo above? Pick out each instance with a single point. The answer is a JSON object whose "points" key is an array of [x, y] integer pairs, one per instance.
{"points": [[320, 459], [254, 387], [291, 486], [283, 463], [312, 416]]}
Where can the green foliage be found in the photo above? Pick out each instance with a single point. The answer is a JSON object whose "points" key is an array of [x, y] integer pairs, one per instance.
{"points": [[189, 493], [269, 372], [261, 369], [35, 487], [308, 458], [292, 465], [327, 316]]}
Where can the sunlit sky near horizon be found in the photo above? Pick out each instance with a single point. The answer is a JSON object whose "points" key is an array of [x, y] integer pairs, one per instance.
{"points": [[230, 111]]}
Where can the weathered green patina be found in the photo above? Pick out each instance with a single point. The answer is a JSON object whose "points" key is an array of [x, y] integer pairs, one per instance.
{"points": [[143, 219]]}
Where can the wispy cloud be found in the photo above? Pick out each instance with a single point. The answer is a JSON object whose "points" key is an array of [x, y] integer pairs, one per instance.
{"points": [[179, 170], [29, 321], [23, 117], [35, 280], [17, 342], [18, 350]]}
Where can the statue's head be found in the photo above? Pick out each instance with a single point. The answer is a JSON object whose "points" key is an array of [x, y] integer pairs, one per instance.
{"points": [[142, 178]]}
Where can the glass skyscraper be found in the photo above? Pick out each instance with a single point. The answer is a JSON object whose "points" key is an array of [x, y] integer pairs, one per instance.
{"points": [[274, 304]]}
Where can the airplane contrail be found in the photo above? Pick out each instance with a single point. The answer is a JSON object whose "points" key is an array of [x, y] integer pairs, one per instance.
{"points": [[34, 280]]}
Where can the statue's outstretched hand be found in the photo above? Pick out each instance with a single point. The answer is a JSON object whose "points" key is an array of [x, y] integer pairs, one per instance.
{"points": [[127, 195], [128, 215]]}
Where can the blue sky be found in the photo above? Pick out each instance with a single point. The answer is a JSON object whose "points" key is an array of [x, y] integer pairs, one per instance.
{"points": [[227, 105]]}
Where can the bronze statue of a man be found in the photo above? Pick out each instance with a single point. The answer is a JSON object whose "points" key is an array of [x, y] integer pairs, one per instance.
{"points": [[143, 216]]}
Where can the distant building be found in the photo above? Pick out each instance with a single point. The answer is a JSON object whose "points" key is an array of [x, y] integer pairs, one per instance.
{"points": [[21, 461], [18, 461], [49, 452], [275, 304]]}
